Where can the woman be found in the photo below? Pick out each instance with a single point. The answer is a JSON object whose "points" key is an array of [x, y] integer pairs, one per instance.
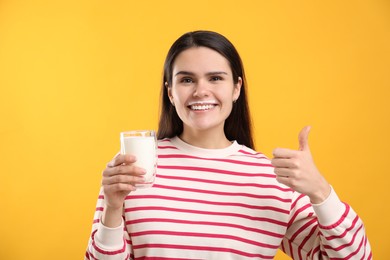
{"points": [[214, 196]]}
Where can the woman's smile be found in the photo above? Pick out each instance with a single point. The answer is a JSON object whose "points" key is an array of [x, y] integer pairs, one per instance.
{"points": [[202, 106]]}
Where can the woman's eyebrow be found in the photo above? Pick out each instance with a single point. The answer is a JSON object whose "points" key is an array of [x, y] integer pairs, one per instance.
{"points": [[184, 73], [208, 73], [216, 73]]}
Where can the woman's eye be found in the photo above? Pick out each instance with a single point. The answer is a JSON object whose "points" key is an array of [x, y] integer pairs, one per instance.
{"points": [[216, 78], [186, 80]]}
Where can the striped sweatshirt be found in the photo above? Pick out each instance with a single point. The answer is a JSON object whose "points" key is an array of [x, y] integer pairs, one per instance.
{"points": [[225, 204]]}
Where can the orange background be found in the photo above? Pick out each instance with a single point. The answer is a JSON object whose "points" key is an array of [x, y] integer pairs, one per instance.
{"points": [[73, 74]]}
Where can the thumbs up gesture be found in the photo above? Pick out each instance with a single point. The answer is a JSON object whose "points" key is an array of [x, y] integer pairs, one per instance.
{"points": [[296, 169]]}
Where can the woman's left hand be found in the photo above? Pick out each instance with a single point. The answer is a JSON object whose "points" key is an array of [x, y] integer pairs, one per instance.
{"points": [[297, 170]]}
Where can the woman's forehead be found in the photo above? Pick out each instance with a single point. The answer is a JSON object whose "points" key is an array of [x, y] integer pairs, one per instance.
{"points": [[200, 60]]}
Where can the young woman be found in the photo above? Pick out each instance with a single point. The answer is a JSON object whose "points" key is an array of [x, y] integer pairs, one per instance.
{"points": [[214, 196]]}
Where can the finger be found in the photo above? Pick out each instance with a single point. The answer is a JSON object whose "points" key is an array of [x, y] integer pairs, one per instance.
{"points": [[284, 163], [121, 159], [303, 139], [284, 180], [123, 169], [282, 172], [125, 179], [284, 153], [121, 187]]}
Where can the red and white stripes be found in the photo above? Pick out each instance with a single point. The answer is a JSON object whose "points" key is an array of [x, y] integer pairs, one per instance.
{"points": [[225, 204]]}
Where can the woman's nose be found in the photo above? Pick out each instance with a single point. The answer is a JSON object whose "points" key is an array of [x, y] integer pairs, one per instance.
{"points": [[201, 89]]}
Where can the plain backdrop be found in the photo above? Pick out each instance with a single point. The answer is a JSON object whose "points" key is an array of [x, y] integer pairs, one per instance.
{"points": [[75, 73]]}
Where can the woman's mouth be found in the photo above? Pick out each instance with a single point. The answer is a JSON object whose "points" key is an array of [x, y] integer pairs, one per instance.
{"points": [[202, 106]]}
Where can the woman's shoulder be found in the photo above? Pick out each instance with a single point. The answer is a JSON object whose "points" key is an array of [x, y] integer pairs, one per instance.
{"points": [[246, 151], [164, 140], [166, 143]]}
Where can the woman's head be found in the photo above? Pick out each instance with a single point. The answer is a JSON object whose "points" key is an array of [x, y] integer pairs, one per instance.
{"points": [[237, 125]]}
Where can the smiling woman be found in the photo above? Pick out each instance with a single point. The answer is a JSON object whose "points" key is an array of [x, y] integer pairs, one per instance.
{"points": [[206, 49], [203, 92], [215, 197]]}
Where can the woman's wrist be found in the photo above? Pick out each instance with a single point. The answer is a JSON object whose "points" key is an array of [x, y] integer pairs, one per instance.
{"points": [[112, 217], [321, 194]]}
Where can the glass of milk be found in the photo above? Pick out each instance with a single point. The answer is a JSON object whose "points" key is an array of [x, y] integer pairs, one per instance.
{"points": [[142, 144]]}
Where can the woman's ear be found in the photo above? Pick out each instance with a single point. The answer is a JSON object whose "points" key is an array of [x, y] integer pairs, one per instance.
{"points": [[237, 89], [169, 91]]}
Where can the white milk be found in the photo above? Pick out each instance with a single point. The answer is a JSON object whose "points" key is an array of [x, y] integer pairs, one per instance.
{"points": [[144, 148]]}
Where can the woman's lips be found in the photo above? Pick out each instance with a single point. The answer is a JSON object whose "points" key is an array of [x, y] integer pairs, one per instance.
{"points": [[202, 105]]}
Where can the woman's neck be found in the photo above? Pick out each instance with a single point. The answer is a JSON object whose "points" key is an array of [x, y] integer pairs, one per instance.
{"points": [[205, 139]]}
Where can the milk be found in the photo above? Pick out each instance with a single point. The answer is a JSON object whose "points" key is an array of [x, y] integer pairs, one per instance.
{"points": [[144, 148]]}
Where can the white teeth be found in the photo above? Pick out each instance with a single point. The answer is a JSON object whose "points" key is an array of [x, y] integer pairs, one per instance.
{"points": [[201, 107]]}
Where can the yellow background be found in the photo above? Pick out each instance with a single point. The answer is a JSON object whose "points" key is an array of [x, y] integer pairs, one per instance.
{"points": [[73, 74]]}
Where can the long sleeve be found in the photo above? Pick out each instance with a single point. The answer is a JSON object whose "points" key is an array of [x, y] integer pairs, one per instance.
{"points": [[107, 243], [330, 230], [225, 204]]}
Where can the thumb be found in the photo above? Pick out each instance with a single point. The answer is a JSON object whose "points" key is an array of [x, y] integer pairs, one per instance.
{"points": [[303, 139]]}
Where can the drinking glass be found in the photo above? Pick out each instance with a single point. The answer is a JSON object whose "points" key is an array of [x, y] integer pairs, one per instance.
{"points": [[142, 144]]}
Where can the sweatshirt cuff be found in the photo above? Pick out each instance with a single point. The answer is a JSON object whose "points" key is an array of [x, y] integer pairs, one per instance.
{"points": [[109, 238], [329, 211]]}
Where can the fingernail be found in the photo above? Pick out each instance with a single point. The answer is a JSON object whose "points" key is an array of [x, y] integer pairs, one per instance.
{"points": [[131, 157]]}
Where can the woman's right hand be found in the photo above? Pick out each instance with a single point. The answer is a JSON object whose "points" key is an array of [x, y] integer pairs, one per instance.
{"points": [[119, 179]]}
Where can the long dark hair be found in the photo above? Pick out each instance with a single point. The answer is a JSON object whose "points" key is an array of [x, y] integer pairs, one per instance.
{"points": [[238, 124]]}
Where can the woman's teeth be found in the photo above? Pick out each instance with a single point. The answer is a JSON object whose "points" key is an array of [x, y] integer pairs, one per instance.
{"points": [[202, 107]]}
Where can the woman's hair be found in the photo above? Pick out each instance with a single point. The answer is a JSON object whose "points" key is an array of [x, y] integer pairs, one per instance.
{"points": [[238, 124]]}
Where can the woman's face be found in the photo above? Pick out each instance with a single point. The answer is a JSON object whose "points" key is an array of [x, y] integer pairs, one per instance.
{"points": [[203, 89]]}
